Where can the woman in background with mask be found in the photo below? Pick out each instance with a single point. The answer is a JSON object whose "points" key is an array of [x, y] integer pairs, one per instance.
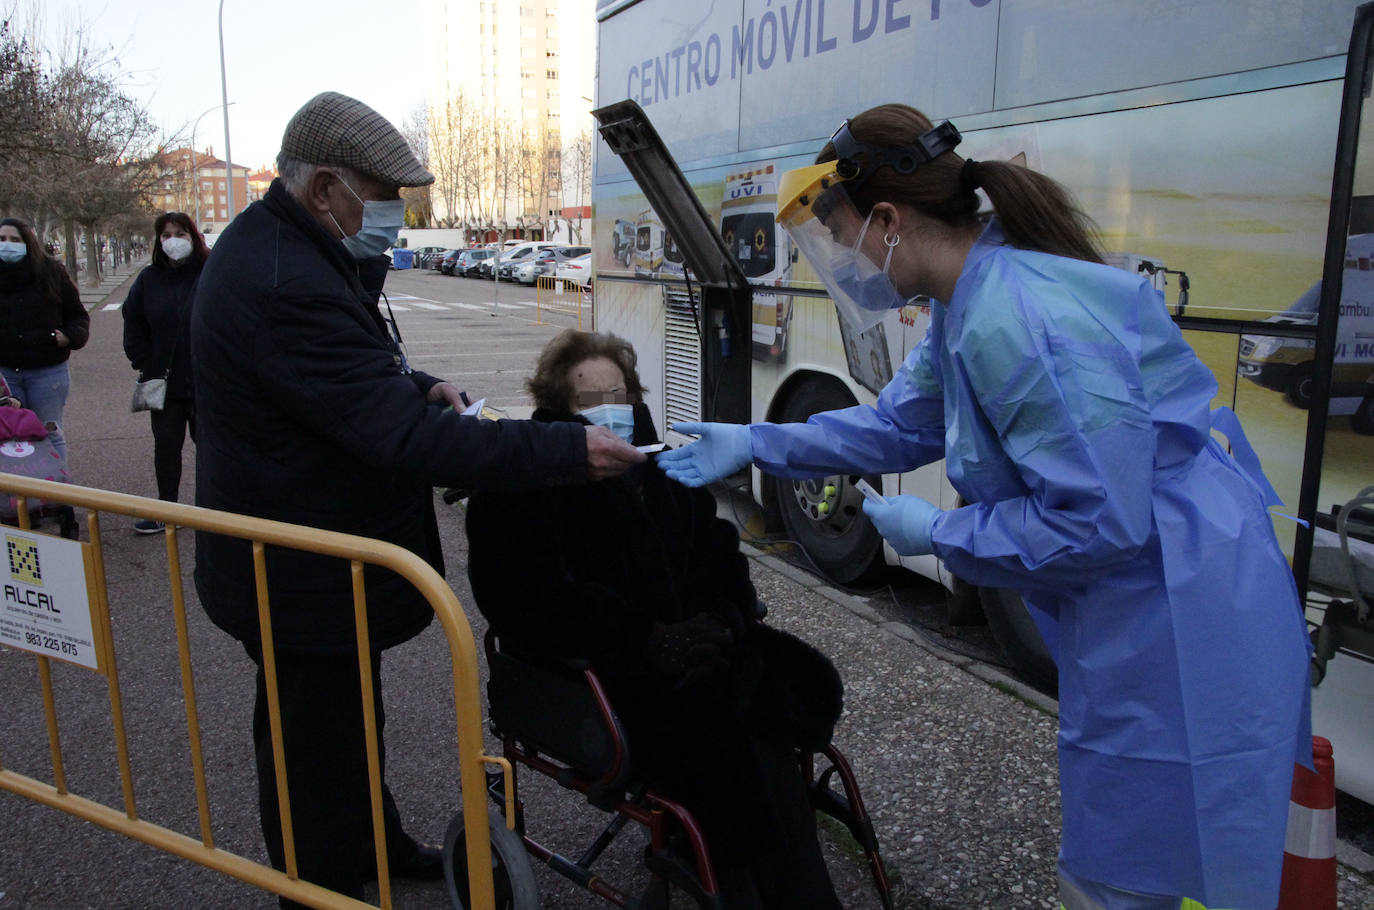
{"points": [[1074, 421], [157, 341], [42, 320], [637, 575]]}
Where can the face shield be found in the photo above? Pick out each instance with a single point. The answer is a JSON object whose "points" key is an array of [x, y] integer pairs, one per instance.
{"points": [[817, 214], [815, 210]]}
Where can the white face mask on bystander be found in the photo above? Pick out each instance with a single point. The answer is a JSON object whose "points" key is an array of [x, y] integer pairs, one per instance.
{"points": [[176, 248]]}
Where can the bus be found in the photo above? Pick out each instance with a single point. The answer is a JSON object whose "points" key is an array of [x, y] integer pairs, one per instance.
{"points": [[1217, 145]]}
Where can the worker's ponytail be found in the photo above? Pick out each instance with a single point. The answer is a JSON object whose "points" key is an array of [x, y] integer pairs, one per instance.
{"points": [[1036, 212]]}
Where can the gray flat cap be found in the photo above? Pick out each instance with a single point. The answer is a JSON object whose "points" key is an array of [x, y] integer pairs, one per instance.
{"points": [[336, 129]]}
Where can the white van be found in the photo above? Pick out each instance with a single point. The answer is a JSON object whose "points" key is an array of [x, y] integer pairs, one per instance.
{"points": [[1285, 364]]}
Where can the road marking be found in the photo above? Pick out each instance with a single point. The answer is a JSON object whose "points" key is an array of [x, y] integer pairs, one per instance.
{"points": [[112, 306], [472, 306], [427, 305], [397, 308]]}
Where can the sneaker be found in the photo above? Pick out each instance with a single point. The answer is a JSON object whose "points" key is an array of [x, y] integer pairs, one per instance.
{"points": [[148, 526]]}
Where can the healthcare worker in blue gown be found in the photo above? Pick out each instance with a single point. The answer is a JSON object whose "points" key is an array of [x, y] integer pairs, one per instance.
{"points": [[1075, 423]]}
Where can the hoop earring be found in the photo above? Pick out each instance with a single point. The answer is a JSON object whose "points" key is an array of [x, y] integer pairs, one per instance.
{"points": [[892, 239]]}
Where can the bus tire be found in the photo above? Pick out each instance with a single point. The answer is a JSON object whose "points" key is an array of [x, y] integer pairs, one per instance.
{"points": [[830, 527], [1297, 387], [1019, 639]]}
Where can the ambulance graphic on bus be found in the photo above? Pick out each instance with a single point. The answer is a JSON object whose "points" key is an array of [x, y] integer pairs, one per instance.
{"points": [[763, 251]]}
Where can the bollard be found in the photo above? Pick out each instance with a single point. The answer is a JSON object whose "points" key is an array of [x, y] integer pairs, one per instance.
{"points": [[1309, 852]]}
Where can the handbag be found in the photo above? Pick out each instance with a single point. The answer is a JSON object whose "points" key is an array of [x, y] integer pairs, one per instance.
{"points": [[149, 395]]}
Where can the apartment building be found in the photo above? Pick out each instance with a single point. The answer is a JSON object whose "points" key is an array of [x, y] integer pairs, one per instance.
{"points": [[195, 182], [509, 82]]}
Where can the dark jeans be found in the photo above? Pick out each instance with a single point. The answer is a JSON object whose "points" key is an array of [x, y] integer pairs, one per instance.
{"points": [[326, 770], [169, 432]]}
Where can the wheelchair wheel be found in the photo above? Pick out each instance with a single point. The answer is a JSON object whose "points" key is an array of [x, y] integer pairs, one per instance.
{"points": [[511, 872]]}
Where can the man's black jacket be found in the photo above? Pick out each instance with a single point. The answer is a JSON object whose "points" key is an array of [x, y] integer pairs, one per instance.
{"points": [[305, 415]]}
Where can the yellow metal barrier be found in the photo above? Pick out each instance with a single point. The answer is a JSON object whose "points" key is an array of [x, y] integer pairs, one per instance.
{"points": [[561, 295], [261, 532]]}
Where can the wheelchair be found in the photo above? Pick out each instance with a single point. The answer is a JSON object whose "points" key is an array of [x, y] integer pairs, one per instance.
{"points": [[557, 721]]}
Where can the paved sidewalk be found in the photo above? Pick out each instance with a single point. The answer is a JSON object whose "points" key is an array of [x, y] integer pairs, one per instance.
{"points": [[110, 280]]}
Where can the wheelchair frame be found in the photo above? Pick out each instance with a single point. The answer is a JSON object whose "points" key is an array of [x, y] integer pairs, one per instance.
{"points": [[602, 773]]}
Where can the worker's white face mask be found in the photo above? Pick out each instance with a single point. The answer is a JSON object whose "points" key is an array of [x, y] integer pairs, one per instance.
{"points": [[382, 223], [176, 248]]}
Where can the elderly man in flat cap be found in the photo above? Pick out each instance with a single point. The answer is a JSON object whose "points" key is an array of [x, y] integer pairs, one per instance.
{"points": [[308, 414]]}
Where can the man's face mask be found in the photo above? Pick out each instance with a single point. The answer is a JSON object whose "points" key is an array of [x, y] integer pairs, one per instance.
{"points": [[618, 418], [12, 250], [382, 223]]}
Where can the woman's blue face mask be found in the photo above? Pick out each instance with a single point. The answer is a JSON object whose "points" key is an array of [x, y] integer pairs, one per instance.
{"points": [[618, 418], [12, 250]]}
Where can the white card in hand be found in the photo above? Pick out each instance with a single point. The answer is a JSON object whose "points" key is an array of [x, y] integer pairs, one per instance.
{"points": [[475, 409]]}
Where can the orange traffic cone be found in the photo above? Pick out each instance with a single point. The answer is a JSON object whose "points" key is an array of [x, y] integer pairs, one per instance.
{"points": [[1309, 853]]}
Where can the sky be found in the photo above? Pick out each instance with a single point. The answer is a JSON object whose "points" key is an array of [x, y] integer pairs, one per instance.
{"points": [[277, 56]]}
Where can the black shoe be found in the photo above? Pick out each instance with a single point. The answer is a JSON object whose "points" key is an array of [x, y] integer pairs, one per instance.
{"points": [[424, 864], [148, 526]]}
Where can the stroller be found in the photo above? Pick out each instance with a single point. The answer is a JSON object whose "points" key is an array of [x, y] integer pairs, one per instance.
{"points": [[25, 450]]}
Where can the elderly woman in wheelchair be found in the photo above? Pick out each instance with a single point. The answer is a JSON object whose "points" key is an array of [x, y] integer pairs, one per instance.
{"points": [[705, 720]]}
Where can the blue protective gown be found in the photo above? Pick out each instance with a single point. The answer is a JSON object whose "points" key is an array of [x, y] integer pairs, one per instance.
{"points": [[1075, 419]]}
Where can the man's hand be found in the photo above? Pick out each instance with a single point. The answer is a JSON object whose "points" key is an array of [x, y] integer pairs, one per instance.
{"points": [[608, 455], [447, 392], [61, 338]]}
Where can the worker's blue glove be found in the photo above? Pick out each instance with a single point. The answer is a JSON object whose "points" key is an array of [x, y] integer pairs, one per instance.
{"points": [[723, 449], [906, 522]]}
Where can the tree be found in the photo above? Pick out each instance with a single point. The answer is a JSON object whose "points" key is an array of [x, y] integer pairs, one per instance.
{"points": [[419, 205], [452, 126], [577, 176], [84, 152], [540, 156], [23, 91]]}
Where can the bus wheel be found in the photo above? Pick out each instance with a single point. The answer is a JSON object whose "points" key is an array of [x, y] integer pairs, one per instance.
{"points": [[1019, 639], [826, 516], [1298, 387]]}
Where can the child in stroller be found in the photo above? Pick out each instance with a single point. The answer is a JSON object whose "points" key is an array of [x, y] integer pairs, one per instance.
{"points": [[25, 450]]}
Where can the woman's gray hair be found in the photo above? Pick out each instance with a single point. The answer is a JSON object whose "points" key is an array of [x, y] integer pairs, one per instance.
{"points": [[295, 174]]}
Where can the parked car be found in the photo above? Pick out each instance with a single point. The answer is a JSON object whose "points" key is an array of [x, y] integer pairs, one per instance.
{"points": [[516, 255], [444, 264], [424, 256], [578, 270], [436, 262], [468, 261], [545, 262]]}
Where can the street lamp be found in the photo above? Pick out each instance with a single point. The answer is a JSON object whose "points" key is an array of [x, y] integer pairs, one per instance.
{"points": [[195, 170], [224, 99]]}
